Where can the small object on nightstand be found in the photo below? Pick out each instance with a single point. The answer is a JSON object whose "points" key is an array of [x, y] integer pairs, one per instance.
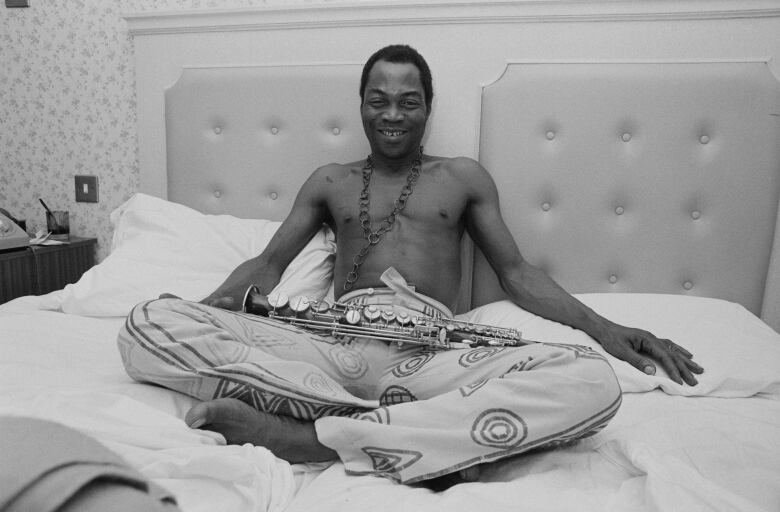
{"points": [[58, 224], [41, 269]]}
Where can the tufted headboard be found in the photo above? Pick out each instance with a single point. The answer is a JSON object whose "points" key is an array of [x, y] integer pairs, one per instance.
{"points": [[242, 140], [631, 155], [637, 177], [646, 177]]}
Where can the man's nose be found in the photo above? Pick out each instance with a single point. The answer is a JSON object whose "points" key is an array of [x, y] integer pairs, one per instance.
{"points": [[392, 113]]}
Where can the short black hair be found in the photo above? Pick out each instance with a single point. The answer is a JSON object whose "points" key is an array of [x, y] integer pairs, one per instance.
{"points": [[400, 54]]}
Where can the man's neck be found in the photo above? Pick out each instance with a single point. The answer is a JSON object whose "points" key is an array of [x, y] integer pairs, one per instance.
{"points": [[399, 165]]}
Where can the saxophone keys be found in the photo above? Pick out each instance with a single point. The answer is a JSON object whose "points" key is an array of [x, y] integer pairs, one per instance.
{"points": [[403, 318], [320, 306], [371, 313], [352, 316], [388, 315], [299, 304], [277, 300]]}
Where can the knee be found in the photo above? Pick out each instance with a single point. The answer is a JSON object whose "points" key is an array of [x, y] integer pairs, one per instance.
{"points": [[596, 381], [137, 339]]}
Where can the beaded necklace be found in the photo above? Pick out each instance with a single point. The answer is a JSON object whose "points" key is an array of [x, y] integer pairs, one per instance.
{"points": [[373, 236]]}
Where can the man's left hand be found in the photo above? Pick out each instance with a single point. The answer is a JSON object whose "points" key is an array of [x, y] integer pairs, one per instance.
{"points": [[640, 348]]}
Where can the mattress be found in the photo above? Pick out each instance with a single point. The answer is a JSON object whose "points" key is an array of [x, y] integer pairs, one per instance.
{"points": [[714, 446]]}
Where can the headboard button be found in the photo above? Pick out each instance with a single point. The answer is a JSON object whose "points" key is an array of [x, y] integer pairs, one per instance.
{"points": [[626, 137], [695, 214], [336, 130], [217, 130], [613, 279], [687, 285], [273, 195], [619, 210], [274, 130], [546, 206], [704, 139], [550, 135], [217, 194]]}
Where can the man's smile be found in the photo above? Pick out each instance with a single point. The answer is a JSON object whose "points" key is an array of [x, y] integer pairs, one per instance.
{"points": [[392, 133]]}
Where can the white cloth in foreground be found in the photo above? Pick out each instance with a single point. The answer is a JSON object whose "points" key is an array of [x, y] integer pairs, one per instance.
{"points": [[48, 466], [410, 413]]}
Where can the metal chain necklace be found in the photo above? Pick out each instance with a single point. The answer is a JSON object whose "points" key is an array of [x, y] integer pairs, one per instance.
{"points": [[373, 236]]}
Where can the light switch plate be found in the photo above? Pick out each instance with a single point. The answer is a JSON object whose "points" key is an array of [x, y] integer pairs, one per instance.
{"points": [[86, 189]]}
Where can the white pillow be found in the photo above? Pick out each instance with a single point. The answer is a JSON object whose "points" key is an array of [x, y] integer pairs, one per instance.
{"points": [[159, 246], [740, 354]]}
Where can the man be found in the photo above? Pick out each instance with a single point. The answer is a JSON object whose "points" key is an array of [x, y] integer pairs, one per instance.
{"points": [[410, 413]]}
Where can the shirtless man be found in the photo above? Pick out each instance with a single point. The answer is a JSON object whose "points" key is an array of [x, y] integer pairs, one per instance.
{"points": [[475, 410]]}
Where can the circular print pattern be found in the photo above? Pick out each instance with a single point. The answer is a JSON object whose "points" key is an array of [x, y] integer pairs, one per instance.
{"points": [[319, 384], [349, 363], [413, 364], [476, 355], [396, 395], [499, 428]]}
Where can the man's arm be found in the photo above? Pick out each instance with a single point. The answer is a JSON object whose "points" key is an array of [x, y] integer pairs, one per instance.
{"points": [[533, 290], [308, 213]]}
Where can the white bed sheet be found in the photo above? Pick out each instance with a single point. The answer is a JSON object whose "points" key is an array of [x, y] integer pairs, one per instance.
{"points": [[661, 452], [66, 368]]}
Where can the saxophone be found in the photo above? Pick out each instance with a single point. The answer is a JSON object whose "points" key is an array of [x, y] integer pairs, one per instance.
{"points": [[342, 320]]}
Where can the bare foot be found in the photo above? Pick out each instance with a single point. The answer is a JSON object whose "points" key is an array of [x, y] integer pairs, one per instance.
{"points": [[444, 482], [470, 474], [288, 438]]}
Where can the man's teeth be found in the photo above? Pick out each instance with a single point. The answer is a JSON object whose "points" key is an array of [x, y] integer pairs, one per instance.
{"points": [[392, 133]]}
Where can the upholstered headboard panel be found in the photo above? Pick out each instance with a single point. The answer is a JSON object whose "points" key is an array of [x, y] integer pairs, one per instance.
{"points": [[242, 140], [637, 177]]}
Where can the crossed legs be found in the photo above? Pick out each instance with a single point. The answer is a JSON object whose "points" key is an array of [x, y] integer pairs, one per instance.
{"points": [[410, 415]]}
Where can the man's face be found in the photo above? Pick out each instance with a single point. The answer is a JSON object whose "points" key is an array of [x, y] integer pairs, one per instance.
{"points": [[393, 110]]}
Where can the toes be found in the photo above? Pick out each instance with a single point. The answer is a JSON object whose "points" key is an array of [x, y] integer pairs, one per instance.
{"points": [[198, 415], [470, 474]]}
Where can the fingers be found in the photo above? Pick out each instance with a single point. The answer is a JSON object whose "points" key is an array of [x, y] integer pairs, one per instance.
{"points": [[674, 359], [168, 296], [220, 302], [632, 357]]}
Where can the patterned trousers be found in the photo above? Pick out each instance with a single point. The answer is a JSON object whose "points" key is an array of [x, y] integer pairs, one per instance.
{"points": [[409, 414]]}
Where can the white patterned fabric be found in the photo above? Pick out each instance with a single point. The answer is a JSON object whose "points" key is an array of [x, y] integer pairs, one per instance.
{"points": [[409, 413]]}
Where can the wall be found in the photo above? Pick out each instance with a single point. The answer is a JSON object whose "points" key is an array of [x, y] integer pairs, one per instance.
{"points": [[67, 103], [67, 106]]}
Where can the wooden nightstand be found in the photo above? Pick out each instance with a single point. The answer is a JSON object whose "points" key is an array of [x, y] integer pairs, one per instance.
{"points": [[41, 269]]}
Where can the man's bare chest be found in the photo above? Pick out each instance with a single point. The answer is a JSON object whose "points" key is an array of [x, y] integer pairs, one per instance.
{"points": [[427, 205]]}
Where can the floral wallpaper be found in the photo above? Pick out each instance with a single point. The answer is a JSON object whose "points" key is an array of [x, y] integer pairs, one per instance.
{"points": [[68, 107]]}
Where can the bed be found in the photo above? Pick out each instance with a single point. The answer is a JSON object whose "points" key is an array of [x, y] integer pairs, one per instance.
{"points": [[647, 187]]}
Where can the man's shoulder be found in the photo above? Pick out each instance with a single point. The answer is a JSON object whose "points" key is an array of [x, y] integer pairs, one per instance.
{"points": [[456, 163], [462, 168], [335, 171]]}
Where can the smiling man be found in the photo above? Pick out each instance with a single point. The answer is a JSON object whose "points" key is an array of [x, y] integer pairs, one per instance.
{"points": [[409, 413]]}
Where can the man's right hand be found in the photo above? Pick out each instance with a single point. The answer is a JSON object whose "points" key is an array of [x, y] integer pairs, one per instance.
{"points": [[223, 302], [231, 292]]}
